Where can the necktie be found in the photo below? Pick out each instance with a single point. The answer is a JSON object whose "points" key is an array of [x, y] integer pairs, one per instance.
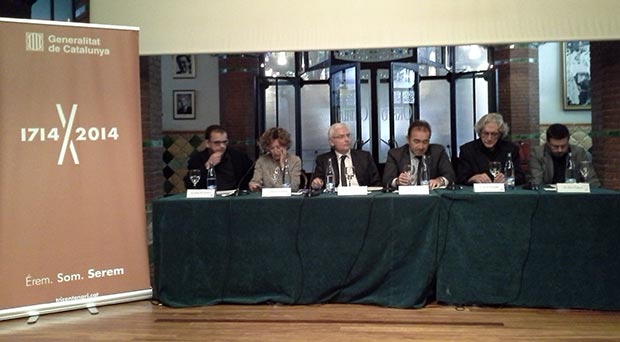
{"points": [[419, 171], [343, 171]]}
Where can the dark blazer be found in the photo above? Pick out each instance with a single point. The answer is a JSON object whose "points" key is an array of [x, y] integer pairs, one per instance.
{"points": [[240, 175], [366, 170], [474, 158], [437, 161]]}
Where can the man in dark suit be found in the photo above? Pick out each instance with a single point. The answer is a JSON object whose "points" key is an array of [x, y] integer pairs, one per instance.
{"points": [[437, 162], [232, 168], [339, 138]]}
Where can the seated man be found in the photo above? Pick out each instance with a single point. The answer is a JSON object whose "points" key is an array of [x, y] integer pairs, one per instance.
{"points": [[476, 156], [437, 161], [339, 138], [547, 163], [232, 168]]}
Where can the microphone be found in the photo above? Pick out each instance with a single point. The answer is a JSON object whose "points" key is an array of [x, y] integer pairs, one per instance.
{"points": [[245, 175], [309, 191]]}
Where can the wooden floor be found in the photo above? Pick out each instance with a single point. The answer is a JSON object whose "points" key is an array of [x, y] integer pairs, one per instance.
{"points": [[144, 321]]}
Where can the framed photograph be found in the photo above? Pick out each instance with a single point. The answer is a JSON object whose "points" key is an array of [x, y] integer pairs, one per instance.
{"points": [[184, 104], [184, 66], [576, 75]]}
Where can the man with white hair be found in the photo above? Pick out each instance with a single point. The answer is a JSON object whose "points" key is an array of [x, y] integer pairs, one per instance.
{"points": [[343, 156]]}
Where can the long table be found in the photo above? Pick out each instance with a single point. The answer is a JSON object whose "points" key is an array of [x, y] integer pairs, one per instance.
{"points": [[522, 248], [376, 249]]}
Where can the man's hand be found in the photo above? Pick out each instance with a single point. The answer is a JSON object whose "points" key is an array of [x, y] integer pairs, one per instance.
{"points": [[404, 178], [499, 178], [435, 183], [317, 183], [214, 159], [480, 178]]}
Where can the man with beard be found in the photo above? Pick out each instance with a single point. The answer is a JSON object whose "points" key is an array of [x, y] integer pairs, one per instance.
{"points": [[232, 167], [547, 163]]}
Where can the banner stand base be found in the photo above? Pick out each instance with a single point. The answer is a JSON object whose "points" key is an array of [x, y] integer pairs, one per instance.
{"points": [[34, 311]]}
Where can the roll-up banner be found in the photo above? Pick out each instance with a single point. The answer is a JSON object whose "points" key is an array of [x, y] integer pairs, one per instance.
{"points": [[72, 215]]}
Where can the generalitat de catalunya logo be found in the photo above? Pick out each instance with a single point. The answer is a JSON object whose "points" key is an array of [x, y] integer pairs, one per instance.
{"points": [[35, 41], [81, 45]]}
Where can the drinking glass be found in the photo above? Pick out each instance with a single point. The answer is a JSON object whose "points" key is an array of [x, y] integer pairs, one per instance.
{"points": [[494, 168], [349, 172], [408, 169], [585, 168], [194, 176]]}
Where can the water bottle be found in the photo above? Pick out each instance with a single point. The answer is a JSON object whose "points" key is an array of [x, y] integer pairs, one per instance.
{"points": [[330, 182], [211, 179], [571, 170], [286, 177], [424, 179], [509, 173]]}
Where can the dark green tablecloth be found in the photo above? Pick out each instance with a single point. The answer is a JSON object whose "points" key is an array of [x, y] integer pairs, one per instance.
{"points": [[529, 248], [521, 248], [376, 249]]}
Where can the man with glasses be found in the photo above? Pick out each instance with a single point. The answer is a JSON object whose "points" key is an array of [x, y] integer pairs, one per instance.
{"points": [[342, 156], [418, 145], [476, 156], [547, 164], [232, 168]]}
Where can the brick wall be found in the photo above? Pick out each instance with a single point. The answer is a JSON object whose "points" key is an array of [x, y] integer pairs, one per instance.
{"points": [[605, 75], [238, 101], [150, 90], [518, 94]]}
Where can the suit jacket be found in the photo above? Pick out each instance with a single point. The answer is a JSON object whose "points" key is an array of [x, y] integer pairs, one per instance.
{"points": [[266, 166], [541, 164], [366, 170], [473, 160], [240, 176], [437, 161]]}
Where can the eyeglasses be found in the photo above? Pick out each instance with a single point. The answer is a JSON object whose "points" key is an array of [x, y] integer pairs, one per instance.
{"points": [[219, 142], [490, 134], [342, 136]]}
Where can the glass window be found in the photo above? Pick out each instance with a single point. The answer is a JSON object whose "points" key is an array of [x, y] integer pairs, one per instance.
{"points": [[404, 99], [471, 58], [279, 64], [316, 75], [432, 61], [315, 122], [63, 10], [383, 105], [435, 108], [42, 9], [468, 108], [366, 109], [280, 111]]}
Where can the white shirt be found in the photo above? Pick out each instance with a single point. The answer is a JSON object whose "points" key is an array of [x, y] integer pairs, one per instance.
{"points": [[347, 163]]}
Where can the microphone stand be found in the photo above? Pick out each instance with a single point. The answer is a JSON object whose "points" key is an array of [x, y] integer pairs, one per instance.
{"points": [[236, 192]]}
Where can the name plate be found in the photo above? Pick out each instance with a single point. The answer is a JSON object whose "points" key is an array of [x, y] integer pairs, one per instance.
{"points": [[352, 190], [276, 192], [573, 187], [413, 190], [201, 193], [489, 187]]}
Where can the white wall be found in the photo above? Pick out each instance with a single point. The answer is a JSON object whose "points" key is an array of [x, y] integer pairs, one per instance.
{"points": [[550, 82], [242, 26], [206, 85]]}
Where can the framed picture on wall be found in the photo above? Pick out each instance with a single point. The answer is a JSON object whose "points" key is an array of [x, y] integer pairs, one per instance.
{"points": [[184, 104], [184, 66], [576, 75]]}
